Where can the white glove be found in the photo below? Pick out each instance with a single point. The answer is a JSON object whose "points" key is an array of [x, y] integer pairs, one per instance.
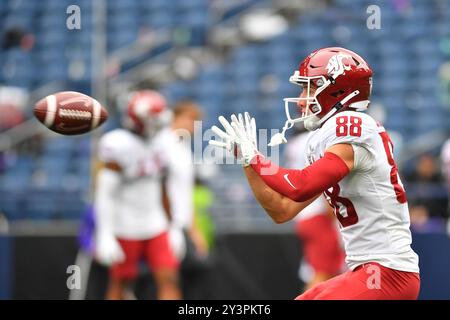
{"points": [[245, 130], [228, 137], [241, 133], [107, 249]]}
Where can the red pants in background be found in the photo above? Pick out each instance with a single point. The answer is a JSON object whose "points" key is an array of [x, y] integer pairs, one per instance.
{"points": [[321, 246], [155, 251]]}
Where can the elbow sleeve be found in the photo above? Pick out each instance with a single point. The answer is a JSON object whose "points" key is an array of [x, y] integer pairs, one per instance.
{"points": [[301, 185]]}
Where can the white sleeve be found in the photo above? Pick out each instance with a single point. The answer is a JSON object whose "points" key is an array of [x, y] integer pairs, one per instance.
{"points": [[445, 158], [363, 159], [108, 183]]}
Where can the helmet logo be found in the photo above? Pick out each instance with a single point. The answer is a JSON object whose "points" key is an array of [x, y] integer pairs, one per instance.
{"points": [[336, 65]]}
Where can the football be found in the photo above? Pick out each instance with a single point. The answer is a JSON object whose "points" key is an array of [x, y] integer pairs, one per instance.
{"points": [[70, 113]]}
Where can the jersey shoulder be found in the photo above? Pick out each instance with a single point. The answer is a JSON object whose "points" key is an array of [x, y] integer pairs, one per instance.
{"points": [[115, 145], [349, 127]]}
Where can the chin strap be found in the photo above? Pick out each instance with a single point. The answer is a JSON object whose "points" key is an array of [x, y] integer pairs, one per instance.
{"points": [[280, 138], [338, 106]]}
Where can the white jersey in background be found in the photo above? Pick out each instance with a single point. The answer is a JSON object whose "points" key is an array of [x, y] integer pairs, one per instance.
{"points": [[139, 213], [445, 159], [180, 184], [295, 157], [370, 202], [180, 176]]}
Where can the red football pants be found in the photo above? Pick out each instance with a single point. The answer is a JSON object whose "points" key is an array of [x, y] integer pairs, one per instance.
{"points": [[321, 247], [156, 251], [370, 281]]}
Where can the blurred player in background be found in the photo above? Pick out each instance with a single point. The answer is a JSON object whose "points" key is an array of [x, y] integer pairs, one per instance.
{"points": [[188, 242], [131, 222], [351, 161], [315, 226], [176, 141], [445, 161]]}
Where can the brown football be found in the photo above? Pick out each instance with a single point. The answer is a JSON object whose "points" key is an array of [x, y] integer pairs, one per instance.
{"points": [[70, 112]]}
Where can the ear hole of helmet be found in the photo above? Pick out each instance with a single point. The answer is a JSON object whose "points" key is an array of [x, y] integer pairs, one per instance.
{"points": [[337, 93]]}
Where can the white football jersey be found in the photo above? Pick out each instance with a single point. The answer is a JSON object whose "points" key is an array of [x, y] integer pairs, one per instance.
{"points": [[295, 157], [445, 158], [180, 175], [139, 213], [370, 202], [180, 185]]}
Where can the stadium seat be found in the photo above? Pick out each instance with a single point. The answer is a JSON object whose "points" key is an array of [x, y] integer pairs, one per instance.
{"points": [[158, 20], [40, 204], [123, 6], [12, 203]]}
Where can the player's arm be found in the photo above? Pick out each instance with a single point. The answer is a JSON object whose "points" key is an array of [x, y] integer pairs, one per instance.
{"points": [[165, 198], [305, 184], [108, 182], [301, 186], [109, 178], [345, 152], [279, 207]]}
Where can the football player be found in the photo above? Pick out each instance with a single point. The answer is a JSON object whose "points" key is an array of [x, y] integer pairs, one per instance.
{"points": [[351, 162], [445, 160], [175, 142], [188, 242], [131, 222]]}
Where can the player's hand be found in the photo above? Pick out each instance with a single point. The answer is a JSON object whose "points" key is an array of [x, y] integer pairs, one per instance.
{"points": [[245, 130], [108, 250], [227, 137], [240, 133]]}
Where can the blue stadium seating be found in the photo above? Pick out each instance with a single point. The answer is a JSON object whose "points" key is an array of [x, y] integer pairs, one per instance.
{"points": [[404, 54]]}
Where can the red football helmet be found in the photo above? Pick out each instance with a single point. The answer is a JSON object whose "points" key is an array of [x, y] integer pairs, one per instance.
{"points": [[147, 112], [341, 79]]}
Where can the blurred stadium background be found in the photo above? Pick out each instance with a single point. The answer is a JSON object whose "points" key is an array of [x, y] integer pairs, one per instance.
{"points": [[228, 56]]}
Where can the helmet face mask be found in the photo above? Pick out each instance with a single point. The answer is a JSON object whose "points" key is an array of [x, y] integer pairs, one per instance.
{"points": [[311, 106]]}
